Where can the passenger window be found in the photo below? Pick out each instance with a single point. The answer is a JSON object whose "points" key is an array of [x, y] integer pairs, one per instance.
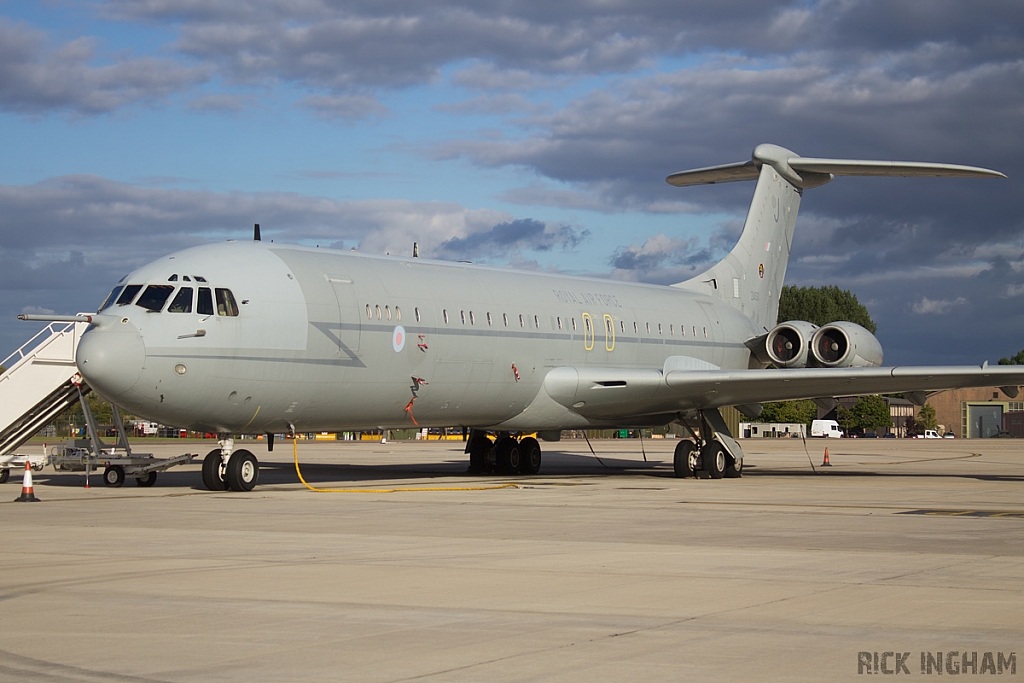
{"points": [[504, 317], [387, 312], [369, 313], [635, 329], [659, 328], [377, 308], [622, 326], [488, 318], [416, 310], [111, 298], [559, 321], [398, 313], [536, 322], [574, 324], [182, 302], [155, 296], [462, 316], [444, 312], [226, 303], [128, 294], [472, 318], [204, 304], [522, 321]]}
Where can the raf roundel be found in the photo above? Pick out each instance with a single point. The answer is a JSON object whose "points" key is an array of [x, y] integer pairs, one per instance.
{"points": [[398, 339]]}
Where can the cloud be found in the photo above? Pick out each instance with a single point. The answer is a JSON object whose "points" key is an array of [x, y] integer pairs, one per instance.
{"points": [[510, 238], [348, 108], [928, 306], [35, 78]]}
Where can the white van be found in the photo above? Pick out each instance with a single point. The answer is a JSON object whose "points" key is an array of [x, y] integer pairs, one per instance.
{"points": [[931, 434], [828, 429]]}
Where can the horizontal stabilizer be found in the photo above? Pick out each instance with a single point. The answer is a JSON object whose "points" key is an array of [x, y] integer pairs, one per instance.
{"points": [[908, 169], [727, 173], [806, 172]]}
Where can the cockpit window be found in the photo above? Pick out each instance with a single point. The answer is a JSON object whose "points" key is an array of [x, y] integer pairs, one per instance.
{"points": [[128, 294], [173, 278], [182, 302], [155, 297], [226, 303], [111, 298], [204, 305]]}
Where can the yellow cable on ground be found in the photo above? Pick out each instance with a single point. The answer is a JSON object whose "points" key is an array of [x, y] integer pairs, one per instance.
{"points": [[295, 451]]}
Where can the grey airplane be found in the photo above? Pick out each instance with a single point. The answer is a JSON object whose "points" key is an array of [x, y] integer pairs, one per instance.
{"points": [[249, 337]]}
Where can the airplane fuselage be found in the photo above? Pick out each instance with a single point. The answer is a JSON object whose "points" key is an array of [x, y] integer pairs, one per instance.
{"points": [[333, 340]]}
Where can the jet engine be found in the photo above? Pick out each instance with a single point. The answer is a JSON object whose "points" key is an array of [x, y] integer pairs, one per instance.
{"points": [[788, 344], [845, 345]]}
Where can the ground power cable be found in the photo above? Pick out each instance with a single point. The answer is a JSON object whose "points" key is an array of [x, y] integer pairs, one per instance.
{"points": [[803, 437], [295, 453]]}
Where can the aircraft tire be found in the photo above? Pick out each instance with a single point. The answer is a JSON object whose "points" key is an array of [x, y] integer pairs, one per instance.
{"points": [[734, 469], [147, 480], [713, 456], [113, 476], [529, 450], [479, 445], [684, 460], [4, 476], [509, 455], [212, 478], [243, 471]]}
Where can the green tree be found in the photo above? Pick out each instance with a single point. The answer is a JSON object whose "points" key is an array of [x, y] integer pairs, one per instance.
{"points": [[1017, 359], [823, 305], [926, 417], [869, 414], [800, 412]]}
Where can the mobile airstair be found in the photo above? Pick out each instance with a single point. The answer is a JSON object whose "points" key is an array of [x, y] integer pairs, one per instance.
{"points": [[40, 382]]}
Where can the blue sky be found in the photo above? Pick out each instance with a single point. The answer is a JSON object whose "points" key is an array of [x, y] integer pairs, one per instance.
{"points": [[132, 128]]}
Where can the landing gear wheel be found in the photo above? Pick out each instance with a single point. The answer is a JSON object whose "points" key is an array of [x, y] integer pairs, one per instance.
{"points": [[509, 457], [734, 469], [479, 445], [713, 456], [113, 476], [529, 450], [4, 476], [685, 459], [213, 474], [243, 471], [146, 480]]}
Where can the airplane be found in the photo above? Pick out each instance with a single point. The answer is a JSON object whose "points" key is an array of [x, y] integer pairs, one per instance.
{"points": [[253, 337]]}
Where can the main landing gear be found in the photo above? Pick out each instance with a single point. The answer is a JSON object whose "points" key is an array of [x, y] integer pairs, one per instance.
{"points": [[713, 456], [507, 455], [225, 469]]}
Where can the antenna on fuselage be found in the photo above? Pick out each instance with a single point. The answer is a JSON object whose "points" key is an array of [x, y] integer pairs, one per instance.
{"points": [[256, 233], [415, 250]]}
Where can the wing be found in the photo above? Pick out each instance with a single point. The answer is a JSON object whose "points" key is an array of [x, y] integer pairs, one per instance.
{"points": [[610, 393]]}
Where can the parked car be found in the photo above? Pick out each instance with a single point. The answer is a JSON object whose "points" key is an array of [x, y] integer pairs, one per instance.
{"points": [[949, 435], [930, 434], [889, 435]]}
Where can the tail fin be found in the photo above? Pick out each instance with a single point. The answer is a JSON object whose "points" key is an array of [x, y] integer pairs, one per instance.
{"points": [[750, 277]]}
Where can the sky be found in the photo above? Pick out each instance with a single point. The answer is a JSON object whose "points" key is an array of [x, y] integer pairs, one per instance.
{"points": [[533, 135]]}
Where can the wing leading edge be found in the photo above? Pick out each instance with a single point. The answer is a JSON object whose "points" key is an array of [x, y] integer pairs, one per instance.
{"points": [[609, 393]]}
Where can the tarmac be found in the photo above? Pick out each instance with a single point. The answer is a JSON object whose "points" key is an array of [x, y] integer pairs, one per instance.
{"points": [[604, 569]]}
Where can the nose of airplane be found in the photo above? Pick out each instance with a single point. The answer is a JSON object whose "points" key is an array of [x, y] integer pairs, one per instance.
{"points": [[111, 357]]}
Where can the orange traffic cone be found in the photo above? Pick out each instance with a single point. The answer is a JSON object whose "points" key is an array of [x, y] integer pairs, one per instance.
{"points": [[27, 496], [826, 463]]}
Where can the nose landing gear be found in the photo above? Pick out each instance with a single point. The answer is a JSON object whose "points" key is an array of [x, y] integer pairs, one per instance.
{"points": [[225, 469]]}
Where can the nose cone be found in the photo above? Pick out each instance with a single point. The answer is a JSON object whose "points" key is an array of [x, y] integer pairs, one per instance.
{"points": [[111, 357]]}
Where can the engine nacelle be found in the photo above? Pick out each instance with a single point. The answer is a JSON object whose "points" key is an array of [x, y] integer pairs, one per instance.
{"points": [[788, 344], [845, 345]]}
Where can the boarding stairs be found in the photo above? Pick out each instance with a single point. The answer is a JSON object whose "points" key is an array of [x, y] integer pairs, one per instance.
{"points": [[40, 382]]}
